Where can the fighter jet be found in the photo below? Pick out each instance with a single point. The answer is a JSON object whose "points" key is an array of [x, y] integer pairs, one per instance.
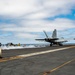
{"points": [[54, 40]]}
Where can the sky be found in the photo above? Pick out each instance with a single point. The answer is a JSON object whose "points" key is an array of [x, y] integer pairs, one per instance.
{"points": [[23, 21]]}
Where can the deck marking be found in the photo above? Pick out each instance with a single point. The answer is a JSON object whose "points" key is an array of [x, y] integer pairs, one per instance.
{"points": [[48, 72], [33, 54]]}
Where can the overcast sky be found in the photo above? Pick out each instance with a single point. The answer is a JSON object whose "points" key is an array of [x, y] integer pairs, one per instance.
{"points": [[23, 21]]}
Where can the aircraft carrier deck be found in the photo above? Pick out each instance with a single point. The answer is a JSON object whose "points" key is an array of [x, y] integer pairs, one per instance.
{"points": [[39, 61]]}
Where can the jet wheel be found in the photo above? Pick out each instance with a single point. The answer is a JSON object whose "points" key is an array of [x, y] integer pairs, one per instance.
{"points": [[50, 44], [60, 45]]}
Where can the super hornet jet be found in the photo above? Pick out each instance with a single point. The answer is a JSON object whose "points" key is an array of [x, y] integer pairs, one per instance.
{"points": [[54, 40]]}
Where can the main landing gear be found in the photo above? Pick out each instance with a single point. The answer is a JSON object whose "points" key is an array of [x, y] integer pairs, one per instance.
{"points": [[60, 44], [51, 44], [56, 44]]}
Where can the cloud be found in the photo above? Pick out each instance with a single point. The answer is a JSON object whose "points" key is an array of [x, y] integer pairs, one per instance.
{"points": [[35, 8], [40, 25], [34, 16], [26, 35], [51, 8], [16, 8]]}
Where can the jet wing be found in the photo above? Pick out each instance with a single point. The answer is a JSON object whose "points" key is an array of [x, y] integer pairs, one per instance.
{"points": [[65, 40], [71, 39], [62, 40]]}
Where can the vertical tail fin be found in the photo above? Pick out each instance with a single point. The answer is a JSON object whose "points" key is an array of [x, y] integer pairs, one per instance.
{"points": [[45, 34], [54, 35]]}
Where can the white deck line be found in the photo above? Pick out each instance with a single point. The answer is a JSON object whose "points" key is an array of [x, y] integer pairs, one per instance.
{"points": [[44, 52]]}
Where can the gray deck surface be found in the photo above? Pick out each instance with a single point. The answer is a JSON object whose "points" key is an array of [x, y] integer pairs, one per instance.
{"points": [[40, 64]]}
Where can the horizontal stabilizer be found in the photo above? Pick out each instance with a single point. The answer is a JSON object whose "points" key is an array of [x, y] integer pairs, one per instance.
{"points": [[40, 39]]}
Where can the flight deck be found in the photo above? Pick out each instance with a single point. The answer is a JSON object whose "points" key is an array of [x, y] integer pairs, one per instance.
{"points": [[57, 60]]}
